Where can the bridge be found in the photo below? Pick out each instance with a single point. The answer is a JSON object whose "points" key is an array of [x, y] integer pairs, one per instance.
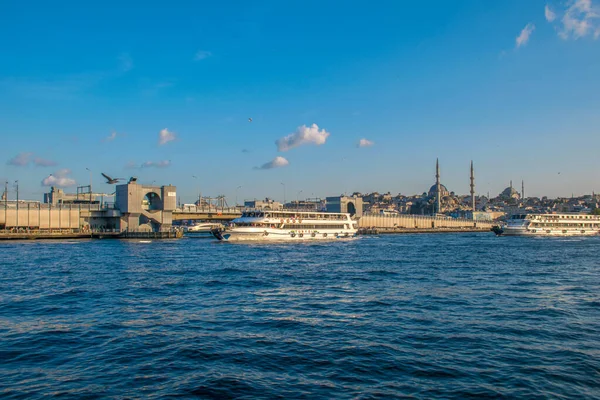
{"points": [[206, 212]]}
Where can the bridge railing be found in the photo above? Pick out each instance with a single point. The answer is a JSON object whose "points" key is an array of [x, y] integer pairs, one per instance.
{"points": [[31, 205], [209, 209]]}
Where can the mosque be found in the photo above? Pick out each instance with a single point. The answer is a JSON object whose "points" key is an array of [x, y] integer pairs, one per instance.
{"points": [[439, 199], [511, 193]]}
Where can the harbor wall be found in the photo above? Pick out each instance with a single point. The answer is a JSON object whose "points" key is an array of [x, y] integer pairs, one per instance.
{"points": [[45, 216], [408, 221], [41, 217]]}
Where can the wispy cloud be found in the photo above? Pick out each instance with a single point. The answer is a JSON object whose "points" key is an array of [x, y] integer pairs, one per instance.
{"points": [[42, 162], [131, 165], [59, 178], [580, 19], [113, 135], [303, 135], [202, 55], [24, 159], [165, 136], [549, 14], [365, 143], [20, 160], [523, 37], [277, 162], [157, 164]]}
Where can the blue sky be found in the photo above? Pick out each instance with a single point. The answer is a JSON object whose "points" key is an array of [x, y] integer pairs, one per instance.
{"points": [[512, 85]]}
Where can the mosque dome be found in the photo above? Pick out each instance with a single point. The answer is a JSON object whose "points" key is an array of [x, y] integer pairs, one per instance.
{"points": [[510, 193], [443, 191]]}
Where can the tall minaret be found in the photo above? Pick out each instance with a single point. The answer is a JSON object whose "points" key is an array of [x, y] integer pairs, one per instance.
{"points": [[473, 189], [438, 202], [523, 190]]}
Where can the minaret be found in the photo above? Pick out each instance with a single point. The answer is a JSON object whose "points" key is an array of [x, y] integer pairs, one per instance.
{"points": [[522, 190], [473, 189], [438, 202]]}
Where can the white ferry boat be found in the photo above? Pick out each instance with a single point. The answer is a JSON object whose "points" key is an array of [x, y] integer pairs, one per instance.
{"points": [[550, 225], [288, 225]]}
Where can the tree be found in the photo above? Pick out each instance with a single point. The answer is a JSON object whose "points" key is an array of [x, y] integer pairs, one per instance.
{"points": [[596, 211]]}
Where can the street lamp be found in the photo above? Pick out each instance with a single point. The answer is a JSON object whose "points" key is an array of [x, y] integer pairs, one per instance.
{"points": [[198, 186], [90, 186], [283, 193], [298, 199], [236, 195]]}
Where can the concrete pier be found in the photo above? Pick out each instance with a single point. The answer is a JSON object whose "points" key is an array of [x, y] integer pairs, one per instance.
{"points": [[408, 222]]}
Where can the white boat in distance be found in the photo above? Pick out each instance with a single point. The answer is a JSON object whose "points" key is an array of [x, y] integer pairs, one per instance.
{"points": [[202, 229], [550, 225], [265, 225]]}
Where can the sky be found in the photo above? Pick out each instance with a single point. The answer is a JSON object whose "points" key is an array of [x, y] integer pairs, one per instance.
{"points": [[301, 99]]}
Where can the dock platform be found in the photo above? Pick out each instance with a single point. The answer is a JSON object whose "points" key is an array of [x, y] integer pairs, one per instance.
{"points": [[40, 235]]}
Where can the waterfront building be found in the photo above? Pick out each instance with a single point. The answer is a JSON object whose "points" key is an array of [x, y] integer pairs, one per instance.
{"points": [[58, 196], [352, 205], [266, 204]]}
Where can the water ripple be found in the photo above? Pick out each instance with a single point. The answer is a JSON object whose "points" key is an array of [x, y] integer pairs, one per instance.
{"points": [[421, 316]]}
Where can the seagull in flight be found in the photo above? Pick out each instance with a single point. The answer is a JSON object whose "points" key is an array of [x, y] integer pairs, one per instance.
{"points": [[110, 180], [249, 119]]}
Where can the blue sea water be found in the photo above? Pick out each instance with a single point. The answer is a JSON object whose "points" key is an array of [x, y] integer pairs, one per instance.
{"points": [[424, 316]]}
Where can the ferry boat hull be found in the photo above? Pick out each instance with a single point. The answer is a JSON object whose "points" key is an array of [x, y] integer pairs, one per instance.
{"points": [[548, 232], [270, 235]]}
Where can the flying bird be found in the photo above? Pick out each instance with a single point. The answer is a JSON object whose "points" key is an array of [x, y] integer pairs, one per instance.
{"points": [[110, 180], [249, 119]]}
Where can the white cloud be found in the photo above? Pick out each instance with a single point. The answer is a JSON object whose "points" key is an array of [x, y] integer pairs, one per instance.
{"points": [[202, 55], [111, 137], [276, 163], [365, 143], [303, 135], [20, 160], [59, 179], [550, 15], [165, 136], [42, 162], [581, 18], [523, 37], [157, 164]]}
